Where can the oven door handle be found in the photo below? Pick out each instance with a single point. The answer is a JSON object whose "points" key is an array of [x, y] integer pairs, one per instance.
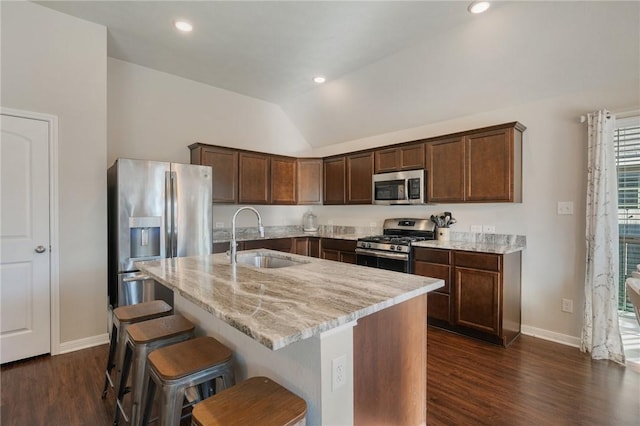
{"points": [[385, 254]]}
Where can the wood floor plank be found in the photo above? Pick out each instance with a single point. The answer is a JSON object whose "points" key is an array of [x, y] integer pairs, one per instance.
{"points": [[469, 382]]}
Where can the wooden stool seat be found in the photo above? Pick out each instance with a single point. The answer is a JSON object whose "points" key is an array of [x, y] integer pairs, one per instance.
{"points": [[256, 401], [142, 338], [159, 328], [142, 311], [123, 316], [182, 359]]}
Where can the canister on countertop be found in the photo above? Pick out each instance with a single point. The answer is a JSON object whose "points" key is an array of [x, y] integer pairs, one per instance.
{"points": [[309, 222]]}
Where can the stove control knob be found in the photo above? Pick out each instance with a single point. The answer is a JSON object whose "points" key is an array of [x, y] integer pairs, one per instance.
{"points": [[367, 245], [399, 248], [392, 248]]}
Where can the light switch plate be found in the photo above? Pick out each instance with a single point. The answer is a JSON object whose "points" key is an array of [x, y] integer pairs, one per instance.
{"points": [[476, 228], [219, 224], [565, 207], [489, 229]]}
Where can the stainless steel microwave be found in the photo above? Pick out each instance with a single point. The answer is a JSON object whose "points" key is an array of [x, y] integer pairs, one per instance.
{"points": [[406, 187]]}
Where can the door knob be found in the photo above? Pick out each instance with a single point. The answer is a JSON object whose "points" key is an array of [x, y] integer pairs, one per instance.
{"points": [[40, 249]]}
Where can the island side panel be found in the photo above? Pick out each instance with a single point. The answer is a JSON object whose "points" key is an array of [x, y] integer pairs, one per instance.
{"points": [[303, 367], [390, 365]]}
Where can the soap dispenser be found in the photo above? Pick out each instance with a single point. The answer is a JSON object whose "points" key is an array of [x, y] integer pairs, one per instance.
{"points": [[309, 222]]}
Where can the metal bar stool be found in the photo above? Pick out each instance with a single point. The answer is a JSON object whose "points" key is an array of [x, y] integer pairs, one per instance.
{"points": [[180, 366], [124, 316], [142, 338], [256, 401]]}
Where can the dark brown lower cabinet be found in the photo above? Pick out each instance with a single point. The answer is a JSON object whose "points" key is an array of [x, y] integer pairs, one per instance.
{"points": [[279, 244], [307, 246], [481, 296], [338, 250]]}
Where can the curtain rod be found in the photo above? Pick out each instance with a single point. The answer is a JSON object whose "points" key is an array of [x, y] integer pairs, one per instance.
{"points": [[619, 114]]}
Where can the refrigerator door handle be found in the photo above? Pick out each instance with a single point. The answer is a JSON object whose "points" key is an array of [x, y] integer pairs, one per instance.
{"points": [[168, 211], [174, 215]]}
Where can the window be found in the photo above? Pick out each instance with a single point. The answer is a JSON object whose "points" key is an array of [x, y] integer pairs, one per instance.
{"points": [[627, 143]]}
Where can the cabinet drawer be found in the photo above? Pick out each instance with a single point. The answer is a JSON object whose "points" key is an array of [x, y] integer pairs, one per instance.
{"points": [[220, 247], [432, 270], [340, 245], [486, 261], [279, 244], [432, 255]]}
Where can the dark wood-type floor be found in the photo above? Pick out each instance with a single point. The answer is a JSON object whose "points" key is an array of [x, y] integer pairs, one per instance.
{"points": [[534, 382]]}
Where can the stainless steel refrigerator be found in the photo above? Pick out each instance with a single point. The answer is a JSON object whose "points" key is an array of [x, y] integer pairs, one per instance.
{"points": [[156, 210]]}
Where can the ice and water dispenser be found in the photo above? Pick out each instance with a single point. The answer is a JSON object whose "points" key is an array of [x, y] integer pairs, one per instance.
{"points": [[145, 243], [144, 237]]}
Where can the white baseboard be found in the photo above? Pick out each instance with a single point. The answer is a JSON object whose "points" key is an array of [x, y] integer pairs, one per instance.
{"points": [[550, 335], [87, 342]]}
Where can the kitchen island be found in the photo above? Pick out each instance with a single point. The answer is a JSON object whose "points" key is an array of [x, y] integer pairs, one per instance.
{"points": [[348, 339]]}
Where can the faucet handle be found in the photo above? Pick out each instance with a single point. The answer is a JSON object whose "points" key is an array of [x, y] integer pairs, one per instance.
{"points": [[261, 231]]}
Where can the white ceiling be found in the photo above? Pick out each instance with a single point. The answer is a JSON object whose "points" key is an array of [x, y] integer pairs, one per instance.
{"points": [[389, 64]]}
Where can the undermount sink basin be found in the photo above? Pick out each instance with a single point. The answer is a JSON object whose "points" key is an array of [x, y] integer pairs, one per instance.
{"points": [[262, 260]]}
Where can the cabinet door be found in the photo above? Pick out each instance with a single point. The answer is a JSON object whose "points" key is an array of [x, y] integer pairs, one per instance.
{"points": [[359, 178], [412, 157], [283, 180], [490, 166], [314, 247], [348, 257], [254, 178], [224, 163], [301, 246], [334, 180], [446, 172], [477, 299], [387, 160], [309, 185], [331, 254], [438, 301]]}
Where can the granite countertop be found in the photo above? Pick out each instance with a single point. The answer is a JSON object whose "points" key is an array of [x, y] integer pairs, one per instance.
{"points": [[251, 234], [466, 241], [280, 306], [472, 246]]}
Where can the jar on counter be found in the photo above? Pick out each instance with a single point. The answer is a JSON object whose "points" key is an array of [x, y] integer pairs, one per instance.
{"points": [[309, 222]]}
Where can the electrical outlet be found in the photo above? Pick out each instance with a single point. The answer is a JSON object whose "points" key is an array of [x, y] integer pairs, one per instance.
{"points": [[567, 305], [372, 224], [219, 224], [338, 372], [565, 207], [476, 228], [489, 229], [330, 222]]}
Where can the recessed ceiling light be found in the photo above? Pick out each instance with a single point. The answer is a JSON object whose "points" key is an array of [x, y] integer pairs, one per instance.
{"points": [[478, 6], [183, 26], [319, 79]]}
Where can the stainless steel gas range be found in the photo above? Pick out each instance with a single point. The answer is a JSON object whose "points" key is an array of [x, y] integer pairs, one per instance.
{"points": [[392, 249]]}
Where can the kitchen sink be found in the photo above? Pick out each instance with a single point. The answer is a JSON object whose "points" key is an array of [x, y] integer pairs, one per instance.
{"points": [[263, 260]]}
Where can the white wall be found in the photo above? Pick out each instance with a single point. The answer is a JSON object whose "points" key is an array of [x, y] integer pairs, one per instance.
{"points": [[56, 64], [154, 115]]}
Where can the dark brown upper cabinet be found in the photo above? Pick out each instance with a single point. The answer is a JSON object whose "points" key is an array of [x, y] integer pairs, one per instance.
{"points": [[478, 166], [283, 180], [445, 170], [359, 178], [407, 157], [309, 184], [224, 163], [334, 180], [254, 172]]}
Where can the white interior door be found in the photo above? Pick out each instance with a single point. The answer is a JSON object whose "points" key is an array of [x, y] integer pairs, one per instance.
{"points": [[24, 239]]}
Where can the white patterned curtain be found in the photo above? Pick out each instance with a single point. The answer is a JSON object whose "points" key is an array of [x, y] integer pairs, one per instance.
{"points": [[600, 330]]}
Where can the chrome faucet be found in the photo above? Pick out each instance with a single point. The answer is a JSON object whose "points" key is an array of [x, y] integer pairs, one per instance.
{"points": [[234, 245]]}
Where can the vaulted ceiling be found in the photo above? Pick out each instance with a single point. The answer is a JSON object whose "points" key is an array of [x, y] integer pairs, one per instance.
{"points": [[389, 64]]}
